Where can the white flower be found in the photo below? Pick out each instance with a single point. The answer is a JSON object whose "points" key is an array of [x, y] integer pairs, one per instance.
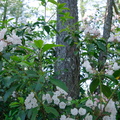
{"points": [[88, 67], [30, 101], [101, 106], [89, 103], [110, 107], [106, 118], [92, 31], [48, 98], [118, 38], [43, 97], [112, 117], [2, 33], [63, 117], [2, 45], [69, 98], [109, 72], [14, 94], [88, 117], [114, 37], [95, 103], [62, 105], [74, 111], [111, 38], [82, 111], [62, 91], [115, 66], [56, 101], [14, 39], [57, 93]]}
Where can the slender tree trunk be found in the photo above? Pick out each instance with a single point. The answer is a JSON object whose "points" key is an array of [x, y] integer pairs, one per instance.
{"points": [[5, 14], [82, 8], [69, 68], [106, 32]]}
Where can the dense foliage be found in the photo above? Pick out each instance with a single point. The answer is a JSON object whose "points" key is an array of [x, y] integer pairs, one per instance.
{"points": [[28, 88]]}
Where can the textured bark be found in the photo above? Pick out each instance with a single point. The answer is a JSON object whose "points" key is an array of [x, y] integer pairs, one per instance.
{"points": [[106, 32], [5, 13], [69, 68]]}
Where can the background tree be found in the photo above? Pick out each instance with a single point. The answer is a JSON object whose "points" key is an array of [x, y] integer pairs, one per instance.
{"points": [[106, 32], [69, 68], [11, 9]]}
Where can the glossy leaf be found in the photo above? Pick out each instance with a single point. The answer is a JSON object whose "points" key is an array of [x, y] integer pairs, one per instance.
{"points": [[9, 92], [94, 84], [111, 77], [59, 83], [34, 114], [47, 29], [46, 47], [51, 110], [53, 1], [101, 46], [106, 91], [39, 43]]}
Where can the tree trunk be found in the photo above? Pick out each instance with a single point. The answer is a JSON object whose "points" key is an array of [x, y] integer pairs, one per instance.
{"points": [[69, 68], [5, 14], [106, 32]]}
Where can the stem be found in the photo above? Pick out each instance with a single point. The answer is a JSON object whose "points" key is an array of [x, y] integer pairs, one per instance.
{"points": [[45, 11], [51, 17], [100, 92], [111, 96], [108, 101]]}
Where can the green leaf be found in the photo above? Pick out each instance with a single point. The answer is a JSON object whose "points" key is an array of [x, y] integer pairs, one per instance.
{"points": [[54, 29], [90, 47], [111, 77], [53, 1], [7, 55], [21, 100], [31, 73], [26, 48], [46, 47], [106, 91], [1, 64], [59, 83], [101, 46], [8, 80], [20, 51], [39, 43], [51, 110], [15, 58], [18, 118], [47, 29], [94, 84], [116, 73], [22, 114], [34, 113], [9, 92], [14, 104], [61, 5]]}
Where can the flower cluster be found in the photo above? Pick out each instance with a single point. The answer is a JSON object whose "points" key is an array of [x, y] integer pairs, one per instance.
{"points": [[11, 39], [75, 111], [30, 101], [63, 117], [55, 98], [111, 109], [92, 32], [112, 68], [114, 37], [88, 67]]}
